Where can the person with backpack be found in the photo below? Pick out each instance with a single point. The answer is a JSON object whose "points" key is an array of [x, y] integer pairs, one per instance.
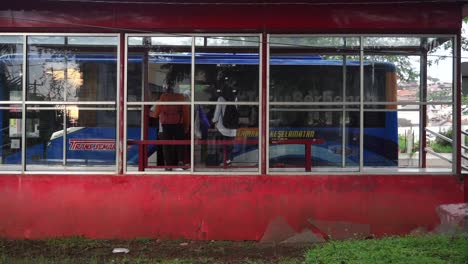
{"points": [[175, 124], [226, 121]]}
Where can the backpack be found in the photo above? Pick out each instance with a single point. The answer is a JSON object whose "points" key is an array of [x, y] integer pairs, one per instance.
{"points": [[231, 117], [170, 114]]}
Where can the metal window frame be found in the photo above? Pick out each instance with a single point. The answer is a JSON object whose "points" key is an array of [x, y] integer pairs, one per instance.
{"points": [[193, 103], [62, 104], [262, 53], [362, 104]]}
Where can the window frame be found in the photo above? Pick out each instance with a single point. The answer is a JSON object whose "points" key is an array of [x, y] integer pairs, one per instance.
{"points": [[366, 170], [193, 103], [62, 105], [263, 54]]}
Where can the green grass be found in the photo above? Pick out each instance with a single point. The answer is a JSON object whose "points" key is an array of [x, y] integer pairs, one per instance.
{"points": [[440, 148], [410, 249]]}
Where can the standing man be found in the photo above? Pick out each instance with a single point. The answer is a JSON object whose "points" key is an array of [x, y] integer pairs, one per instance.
{"points": [[175, 123]]}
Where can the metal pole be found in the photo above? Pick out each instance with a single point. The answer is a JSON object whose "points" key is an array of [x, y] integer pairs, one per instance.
{"points": [[192, 108], [264, 137], [121, 158], [456, 107], [23, 104], [343, 118], [145, 108], [361, 106], [65, 90], [423, 109]]}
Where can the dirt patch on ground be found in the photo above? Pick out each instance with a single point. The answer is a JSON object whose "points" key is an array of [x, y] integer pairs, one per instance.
{"points": [[149, 250]]}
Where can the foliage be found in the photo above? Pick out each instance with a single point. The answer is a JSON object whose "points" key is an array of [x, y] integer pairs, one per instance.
{"points": [[448, 133], [441, 148], [9, 78], [403, 64], [409, 249], [402, 144], [440, 145]]}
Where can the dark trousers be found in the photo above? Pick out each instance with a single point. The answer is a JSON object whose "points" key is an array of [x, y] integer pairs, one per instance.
{"points": [[229, 147], [173, 154]]}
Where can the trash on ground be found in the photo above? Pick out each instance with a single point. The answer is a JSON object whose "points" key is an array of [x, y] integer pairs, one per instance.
{"points": [[120, 250]]}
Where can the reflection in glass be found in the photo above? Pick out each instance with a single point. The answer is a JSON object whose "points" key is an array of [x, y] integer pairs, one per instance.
{"points": [[10, 137], [331, 134], [217, 148], [316, 130], [171, 41], [44, 125], [56, 40], [311, 78], [11, 68], [94, 40], [233, 67], [380, 138], [167, 123], [165, 64], [89, 137], [154, 153], [215, 41], [320, 42], [382, 41], [71, 72]]}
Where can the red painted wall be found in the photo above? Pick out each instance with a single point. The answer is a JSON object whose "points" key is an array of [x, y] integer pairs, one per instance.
{"points": [[218, 207], [379, 18], [223, 207]]}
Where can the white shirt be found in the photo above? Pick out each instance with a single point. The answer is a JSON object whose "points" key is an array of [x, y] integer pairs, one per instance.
{"points": [[218, 119]]}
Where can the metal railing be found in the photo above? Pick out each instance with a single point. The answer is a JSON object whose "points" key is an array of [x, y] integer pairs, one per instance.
{"points": [[435, 153], [464, 134]]}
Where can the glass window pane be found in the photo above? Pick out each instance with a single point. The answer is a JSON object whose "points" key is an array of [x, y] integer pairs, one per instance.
{"points": [[171, 41], [91, 136], [11, 39], [135, 132], [380, 138], [94, 41], [408, 136], [306, 138], [11, 69], [71, 73], [321, 131], [169, 125], [230, 68], [391, 78], [44, 126], [135, 41], [220, 148], [378, 42], [10, 137], [439, 133], [320, 42], [156, 68], [88, 140], [310, 78], [46, 40], [220, 41], [440, 73]]}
